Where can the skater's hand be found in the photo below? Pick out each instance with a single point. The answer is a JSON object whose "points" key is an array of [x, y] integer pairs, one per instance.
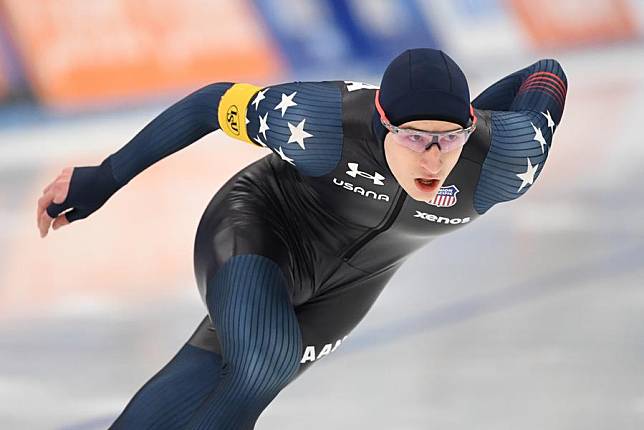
{"points": [[56, 192], [75, 194]]}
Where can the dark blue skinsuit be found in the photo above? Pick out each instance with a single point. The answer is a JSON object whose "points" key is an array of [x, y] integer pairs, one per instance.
{"points": [[294, 250]]}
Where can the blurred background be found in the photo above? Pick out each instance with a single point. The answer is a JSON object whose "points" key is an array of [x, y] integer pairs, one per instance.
{"points": [[531, 318]]}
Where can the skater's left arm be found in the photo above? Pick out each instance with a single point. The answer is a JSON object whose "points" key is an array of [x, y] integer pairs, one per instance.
{"points": [[526, 108]]}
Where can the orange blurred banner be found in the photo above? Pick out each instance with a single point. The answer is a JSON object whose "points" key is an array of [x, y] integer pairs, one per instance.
{"points": [[557, 23], [91, 51]]}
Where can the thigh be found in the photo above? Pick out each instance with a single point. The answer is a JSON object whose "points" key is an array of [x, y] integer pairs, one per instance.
{"points": [[236, 222]]}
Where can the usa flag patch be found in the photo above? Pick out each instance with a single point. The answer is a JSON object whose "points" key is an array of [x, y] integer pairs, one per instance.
{"points": [[446, 197]]}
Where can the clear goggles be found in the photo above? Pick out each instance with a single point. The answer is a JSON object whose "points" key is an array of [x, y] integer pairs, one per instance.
{"points": [[421, 140]]}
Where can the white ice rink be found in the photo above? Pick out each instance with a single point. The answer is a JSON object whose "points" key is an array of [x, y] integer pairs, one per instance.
{"points": [[531, 318]]}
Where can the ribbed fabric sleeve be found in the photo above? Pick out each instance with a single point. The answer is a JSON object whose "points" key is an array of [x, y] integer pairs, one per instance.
{"points": [[526, 108], [181, 124]]}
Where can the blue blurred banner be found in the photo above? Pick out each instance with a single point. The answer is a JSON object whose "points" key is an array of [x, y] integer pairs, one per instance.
{"points": [[381, 29], [324, 36], [307, 34]]}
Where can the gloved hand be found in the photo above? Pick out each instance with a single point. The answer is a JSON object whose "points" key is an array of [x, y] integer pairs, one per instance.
{"points": [[75, 194]]}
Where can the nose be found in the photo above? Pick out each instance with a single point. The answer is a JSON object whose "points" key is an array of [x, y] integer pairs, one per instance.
{"points": [[430, 160]]}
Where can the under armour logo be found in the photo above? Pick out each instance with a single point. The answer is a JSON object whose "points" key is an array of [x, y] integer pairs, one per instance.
{"points": [[377, 178]]}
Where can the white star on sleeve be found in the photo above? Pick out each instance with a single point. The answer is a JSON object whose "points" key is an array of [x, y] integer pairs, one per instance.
{"points": [[538, 136], [298, 134], [259, 140], [283, 156], [263, 125], [551, 123], [287, 102], [528, 176], [260, 96]]}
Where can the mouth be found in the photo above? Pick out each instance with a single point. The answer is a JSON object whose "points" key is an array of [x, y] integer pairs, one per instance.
{"points": [[427, 185]]}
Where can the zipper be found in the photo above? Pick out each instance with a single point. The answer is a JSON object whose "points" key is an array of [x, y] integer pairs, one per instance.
{"points": [[388, 221]]}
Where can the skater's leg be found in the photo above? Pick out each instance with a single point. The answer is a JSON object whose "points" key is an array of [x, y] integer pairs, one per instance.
{"points": [[168, 400], [260, 342]]}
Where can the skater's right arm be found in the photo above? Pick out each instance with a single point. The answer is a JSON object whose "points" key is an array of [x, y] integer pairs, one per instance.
{"points": [[86, 189]]}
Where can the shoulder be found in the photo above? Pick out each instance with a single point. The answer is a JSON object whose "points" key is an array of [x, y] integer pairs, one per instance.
{"points": [[304, 123], [301, 122]]}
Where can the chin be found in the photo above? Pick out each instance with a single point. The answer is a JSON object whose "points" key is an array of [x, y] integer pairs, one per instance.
{"points": [[423, 199]]}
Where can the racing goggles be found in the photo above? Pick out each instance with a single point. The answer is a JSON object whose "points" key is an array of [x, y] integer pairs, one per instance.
{"points": [[421, 140]]}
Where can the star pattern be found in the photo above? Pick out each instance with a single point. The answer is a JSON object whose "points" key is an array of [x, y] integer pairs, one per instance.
{"points": [[551, 123], [263, 125], [353, 86], [258, 98], [538, 136], [298, 134], [528, 176], [259, 140], [287, 102], [283, 156], [277, 140]]}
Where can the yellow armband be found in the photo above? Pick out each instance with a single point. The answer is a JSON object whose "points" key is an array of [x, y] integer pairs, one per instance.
{"points": [[232, 110]]}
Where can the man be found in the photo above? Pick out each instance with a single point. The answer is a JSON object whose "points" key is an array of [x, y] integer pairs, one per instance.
{"points": [[293, 251]]}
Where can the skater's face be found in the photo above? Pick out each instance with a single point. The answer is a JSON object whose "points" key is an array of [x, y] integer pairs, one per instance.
{"points": [[421, 174]]}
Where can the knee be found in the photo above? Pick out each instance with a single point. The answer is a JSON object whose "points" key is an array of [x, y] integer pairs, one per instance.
{"points": [[267, 368]]}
